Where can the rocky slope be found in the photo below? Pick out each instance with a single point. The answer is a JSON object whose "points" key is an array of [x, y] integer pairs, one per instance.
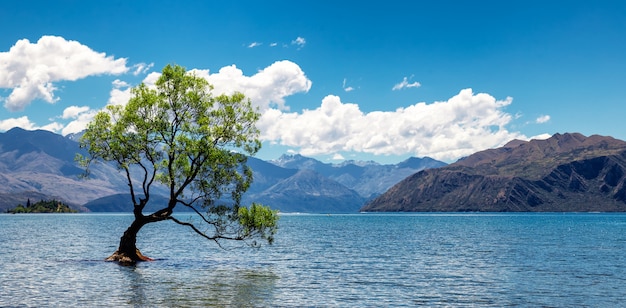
{"points": [[567, 172]]}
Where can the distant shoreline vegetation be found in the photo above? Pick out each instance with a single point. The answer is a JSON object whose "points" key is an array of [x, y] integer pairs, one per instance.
{"points": [[43, 206]]}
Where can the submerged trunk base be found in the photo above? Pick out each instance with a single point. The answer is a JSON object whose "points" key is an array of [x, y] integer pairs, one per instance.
{"points": [[125, 258]]}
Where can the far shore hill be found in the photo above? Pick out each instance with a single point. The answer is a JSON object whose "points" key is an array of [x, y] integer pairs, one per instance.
{"points": [[565, 173]]}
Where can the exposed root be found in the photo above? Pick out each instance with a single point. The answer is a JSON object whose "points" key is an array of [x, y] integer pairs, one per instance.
{"points": [[128, 259]]}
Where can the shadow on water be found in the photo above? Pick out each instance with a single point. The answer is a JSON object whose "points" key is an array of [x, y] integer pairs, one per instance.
{"points": [[197, 283]]}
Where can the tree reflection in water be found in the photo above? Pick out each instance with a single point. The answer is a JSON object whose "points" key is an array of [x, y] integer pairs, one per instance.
{"points": [[184, 285]]}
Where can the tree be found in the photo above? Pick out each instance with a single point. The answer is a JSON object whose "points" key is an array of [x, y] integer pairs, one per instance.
{"points": [[179, 135]]}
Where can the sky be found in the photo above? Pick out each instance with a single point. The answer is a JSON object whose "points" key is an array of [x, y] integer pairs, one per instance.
{"points": [[333, 80]]}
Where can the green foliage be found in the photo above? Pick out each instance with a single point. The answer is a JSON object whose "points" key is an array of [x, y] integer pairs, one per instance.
{"points": [[180, 135], [260, 220], [50, 206]]}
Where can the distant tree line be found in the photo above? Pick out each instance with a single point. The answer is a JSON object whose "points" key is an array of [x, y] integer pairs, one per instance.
{"points": [[43, 206]]}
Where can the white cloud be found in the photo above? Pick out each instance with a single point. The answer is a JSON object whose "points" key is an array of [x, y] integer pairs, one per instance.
{"points": [[445, 130], [541, 137], [81, 119], [338, 156], [347, 89], [405, 84], [141, 68], [151, 79], [25, 123], [254, 44], [299, 41], [119, 83], [22, 122], [543, 119], [31, 69], [72, 112], [273, 44], [53, 127], [266, 88], [120, 94]]}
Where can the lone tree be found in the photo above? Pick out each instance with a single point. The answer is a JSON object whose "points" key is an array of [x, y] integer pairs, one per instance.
{"points": [[195, 144]]}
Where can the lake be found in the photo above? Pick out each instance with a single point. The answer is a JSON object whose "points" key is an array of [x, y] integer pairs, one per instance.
{"points": [[359, 260]]}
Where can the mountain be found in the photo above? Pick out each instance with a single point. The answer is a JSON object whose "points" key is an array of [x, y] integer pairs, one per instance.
{"points": [[369, 179], [122, 203], [266, 174], [566, 172], [40, 165], [295, 183], [309, 191]]}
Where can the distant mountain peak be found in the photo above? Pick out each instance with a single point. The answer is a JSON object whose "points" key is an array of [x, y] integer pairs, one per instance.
{"points": [[293, 161], [15, 130], [289, 157], [360, 163], [420, 163]]}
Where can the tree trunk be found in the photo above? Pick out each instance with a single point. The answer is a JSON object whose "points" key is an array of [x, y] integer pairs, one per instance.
{"points": [[127, 253]]}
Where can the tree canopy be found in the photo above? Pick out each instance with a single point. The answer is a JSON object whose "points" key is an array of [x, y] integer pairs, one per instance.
{"points": [[177, 134]]}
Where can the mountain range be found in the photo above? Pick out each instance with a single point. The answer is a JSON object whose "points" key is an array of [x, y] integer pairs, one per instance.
{"points": [[564, 173], [40, 165]]}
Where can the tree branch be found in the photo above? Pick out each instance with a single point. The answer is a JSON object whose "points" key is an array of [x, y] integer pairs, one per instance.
{"points": [[189, 205], [214, 238]]}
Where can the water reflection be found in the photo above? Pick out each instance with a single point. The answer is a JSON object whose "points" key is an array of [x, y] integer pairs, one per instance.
{"points": [[185, 285], [136, 285]]}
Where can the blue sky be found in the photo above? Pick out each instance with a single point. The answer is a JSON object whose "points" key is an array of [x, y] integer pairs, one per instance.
{"points": [[365, 80]]}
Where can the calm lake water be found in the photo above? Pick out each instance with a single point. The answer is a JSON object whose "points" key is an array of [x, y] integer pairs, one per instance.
{"points": [[360, 260]]}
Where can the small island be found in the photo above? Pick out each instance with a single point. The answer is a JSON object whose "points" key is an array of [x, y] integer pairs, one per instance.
{"points": [[48, 206]]}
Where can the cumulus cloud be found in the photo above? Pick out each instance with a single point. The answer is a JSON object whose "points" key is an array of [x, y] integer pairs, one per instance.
{"points": [[405, 84], [543, 119], [120, 93], [72, 112], [53, 127], [268, 87], [445, 130], [31, 69], [254, 44], [25, 123], [151, 79], [79, 122], [79, 116], [22, 122]]}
